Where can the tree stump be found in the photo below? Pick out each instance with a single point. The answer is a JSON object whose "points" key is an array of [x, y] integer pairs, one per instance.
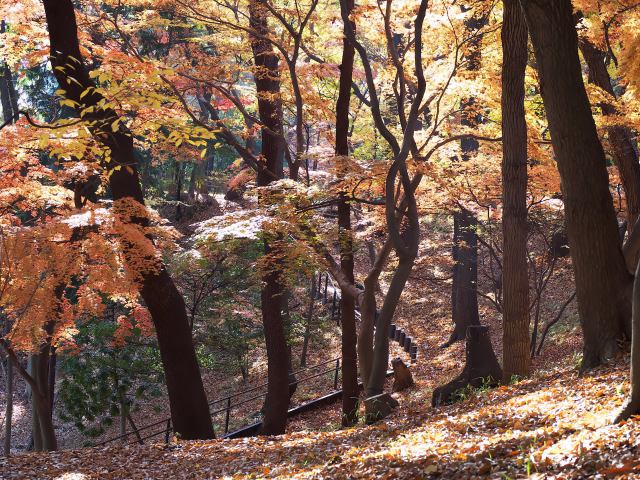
{"points": [[481, 367], [402, 375], [378, 407]]}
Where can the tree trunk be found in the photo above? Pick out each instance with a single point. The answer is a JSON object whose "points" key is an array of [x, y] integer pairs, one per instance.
{"points": [[8, 94], [380, 363], [464, 291], [177, 178], [187, 398], [277, 400], [51, 376], [632, 407], [456, 335], [350, 390], [624, 155], [267, 78], [515, 279], [464, 295], [191, 192], [602, 280], [481, 368], [8, 99], [286, 320], [8, 412], [42, 430]]}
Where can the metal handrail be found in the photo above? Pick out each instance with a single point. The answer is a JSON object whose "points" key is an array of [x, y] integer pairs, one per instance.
{"points": [[229, 405], [228, 399]]}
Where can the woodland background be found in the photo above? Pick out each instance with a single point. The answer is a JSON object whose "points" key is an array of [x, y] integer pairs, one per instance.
{"points": [[176, 175]]}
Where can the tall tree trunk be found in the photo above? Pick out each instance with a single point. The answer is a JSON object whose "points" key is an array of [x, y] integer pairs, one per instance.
{"points": [[8, 94], [632, 407], [350, 390], [464, 289], [51, 376], [267, 78], [624, 155], [464, 295], [8, 100], [44, 438], [480, 359], [286, 320], [187, 398], [515, 279], [8, 412], [35, 443], [602, 280], [177, 178]]}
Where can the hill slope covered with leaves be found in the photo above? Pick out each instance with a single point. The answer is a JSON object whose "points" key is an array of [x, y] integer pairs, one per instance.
{"points": [[538, 428]]}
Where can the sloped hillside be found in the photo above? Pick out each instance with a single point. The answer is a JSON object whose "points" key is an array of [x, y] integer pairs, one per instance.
{"points": [[556, 425]]}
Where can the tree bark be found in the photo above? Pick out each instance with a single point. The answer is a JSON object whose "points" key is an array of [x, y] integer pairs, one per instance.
{"points": [[464, 289], [515, 279], [8, 99], [632, 407], [602, 280], [178, 174], [464, 295], [187, 398], [8, 94], [8, 412], [267, 78], [43, 431], [624, 155], [481, 368], [350, 390]]}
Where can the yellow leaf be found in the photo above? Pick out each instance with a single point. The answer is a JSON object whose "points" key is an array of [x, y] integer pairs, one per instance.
{"points": [[86, 92]]}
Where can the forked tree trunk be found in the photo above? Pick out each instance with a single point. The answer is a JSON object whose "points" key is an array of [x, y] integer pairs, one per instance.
{"points": [[350, 390], [515, 279], [624, 155], [602, 280], [187, 398], [267, 78]]}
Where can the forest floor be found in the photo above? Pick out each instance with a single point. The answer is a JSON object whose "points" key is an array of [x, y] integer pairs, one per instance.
{"points": [[555, 424]]}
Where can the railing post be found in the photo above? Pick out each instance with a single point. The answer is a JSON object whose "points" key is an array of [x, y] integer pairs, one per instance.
{"points": [[166, 433], [326, 282], [226, 418], [333, 305], [335, 377], [396, 334], [414, 353]]}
